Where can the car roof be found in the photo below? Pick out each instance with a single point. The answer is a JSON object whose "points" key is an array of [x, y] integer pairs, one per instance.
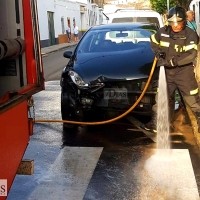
{"points": [[131, 13], [134, 10], [122, 25]]}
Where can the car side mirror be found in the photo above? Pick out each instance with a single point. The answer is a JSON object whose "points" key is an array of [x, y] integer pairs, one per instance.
{"points": [[67, 54]]}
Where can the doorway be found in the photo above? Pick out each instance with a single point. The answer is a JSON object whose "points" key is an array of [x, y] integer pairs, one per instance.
{"points": [[52, 39]]}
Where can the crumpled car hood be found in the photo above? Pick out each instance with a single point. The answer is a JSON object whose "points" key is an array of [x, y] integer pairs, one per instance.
{"points": [[129, 64]]}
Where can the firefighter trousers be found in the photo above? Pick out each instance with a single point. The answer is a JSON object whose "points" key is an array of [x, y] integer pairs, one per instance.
{"points": [[184, 79]]}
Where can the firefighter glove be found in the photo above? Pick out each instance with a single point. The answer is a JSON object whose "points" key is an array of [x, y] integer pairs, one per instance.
{"points": [[160, 54], [167, 63]]}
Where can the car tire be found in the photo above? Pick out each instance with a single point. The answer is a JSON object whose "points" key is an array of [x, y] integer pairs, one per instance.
{"points": [[65, 109]]}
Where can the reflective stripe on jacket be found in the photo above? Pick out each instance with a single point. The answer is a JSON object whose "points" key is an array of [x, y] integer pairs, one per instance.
{"points": [[183, 45]]}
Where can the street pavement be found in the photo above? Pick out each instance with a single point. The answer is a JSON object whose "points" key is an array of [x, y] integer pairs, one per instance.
{"points": [[191, 116], [108, 162]]}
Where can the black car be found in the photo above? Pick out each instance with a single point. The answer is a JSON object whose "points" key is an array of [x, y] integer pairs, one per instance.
{"points": [[107, 72]]}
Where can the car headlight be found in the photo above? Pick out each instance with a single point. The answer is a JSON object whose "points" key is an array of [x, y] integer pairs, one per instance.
{"points": [[77, 79]]}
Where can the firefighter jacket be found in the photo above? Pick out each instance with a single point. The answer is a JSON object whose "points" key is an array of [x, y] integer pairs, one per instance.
{"points": [[179, 46]]}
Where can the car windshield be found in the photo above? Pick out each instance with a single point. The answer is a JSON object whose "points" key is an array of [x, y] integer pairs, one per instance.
{"points": [[136, 19], [104, 40]]}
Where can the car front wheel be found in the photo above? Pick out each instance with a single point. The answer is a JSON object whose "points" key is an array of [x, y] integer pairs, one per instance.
{"points": [[66, 110]]}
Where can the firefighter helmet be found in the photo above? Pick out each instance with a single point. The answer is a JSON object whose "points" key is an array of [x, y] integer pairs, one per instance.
{"points": [[176, 14]]}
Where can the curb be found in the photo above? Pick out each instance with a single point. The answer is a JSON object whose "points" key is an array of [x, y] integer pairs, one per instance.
{"points": [[54, 50], [194, 125]]}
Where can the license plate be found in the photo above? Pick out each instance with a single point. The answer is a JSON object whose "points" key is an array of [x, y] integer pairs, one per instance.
{"points": [[115, 93]]}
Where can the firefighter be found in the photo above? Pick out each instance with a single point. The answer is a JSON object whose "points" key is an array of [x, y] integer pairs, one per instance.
{"points": [[175, 46]]}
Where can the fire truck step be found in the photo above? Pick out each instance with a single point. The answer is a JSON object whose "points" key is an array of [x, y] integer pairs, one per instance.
{"points": [[26, 167]]}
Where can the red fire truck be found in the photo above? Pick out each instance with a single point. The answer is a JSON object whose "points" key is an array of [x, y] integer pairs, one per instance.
{"points": [[21, 76]]}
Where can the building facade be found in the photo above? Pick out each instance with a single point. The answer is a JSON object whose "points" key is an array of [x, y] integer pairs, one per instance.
{"points": [[55, 15]]}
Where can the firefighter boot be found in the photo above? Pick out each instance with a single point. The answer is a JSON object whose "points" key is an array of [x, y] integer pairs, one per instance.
{"points": [[151, 125]]}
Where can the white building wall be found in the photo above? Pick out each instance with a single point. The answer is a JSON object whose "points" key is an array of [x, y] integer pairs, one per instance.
{"points": [[43, 7], [92, 14], [67, 9], [61, 8], [82, 1], [84, 16], [107, 10], [121, 1]]}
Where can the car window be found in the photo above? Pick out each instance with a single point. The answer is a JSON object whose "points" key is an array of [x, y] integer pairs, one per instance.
{"points": [[123, 19], [153, 20], [115, 39], [136, 19]]}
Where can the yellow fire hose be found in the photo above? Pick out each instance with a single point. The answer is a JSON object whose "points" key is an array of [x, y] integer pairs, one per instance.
{"points": [[110, 120]]}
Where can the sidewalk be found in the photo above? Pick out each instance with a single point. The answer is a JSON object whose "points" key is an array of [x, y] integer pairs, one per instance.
{"points": [[50, 49]]}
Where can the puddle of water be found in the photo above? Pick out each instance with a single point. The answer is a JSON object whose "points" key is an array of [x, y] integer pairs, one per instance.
{"points": [[167, 174]]}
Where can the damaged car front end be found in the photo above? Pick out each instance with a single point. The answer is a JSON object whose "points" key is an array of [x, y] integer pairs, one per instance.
{"points": [[108, 71]]}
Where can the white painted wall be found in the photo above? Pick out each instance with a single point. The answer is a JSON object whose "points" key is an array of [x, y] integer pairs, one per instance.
{"points": [[67, 9], [108, 9], [43, 7], [82, 1], [121, 2], [95, 16]]}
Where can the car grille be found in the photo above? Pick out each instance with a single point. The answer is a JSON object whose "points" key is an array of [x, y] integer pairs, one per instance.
{"points": [[133, 90]]}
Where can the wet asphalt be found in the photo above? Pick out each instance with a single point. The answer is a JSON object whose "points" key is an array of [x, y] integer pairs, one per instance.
{"points": [[97, 162]]}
